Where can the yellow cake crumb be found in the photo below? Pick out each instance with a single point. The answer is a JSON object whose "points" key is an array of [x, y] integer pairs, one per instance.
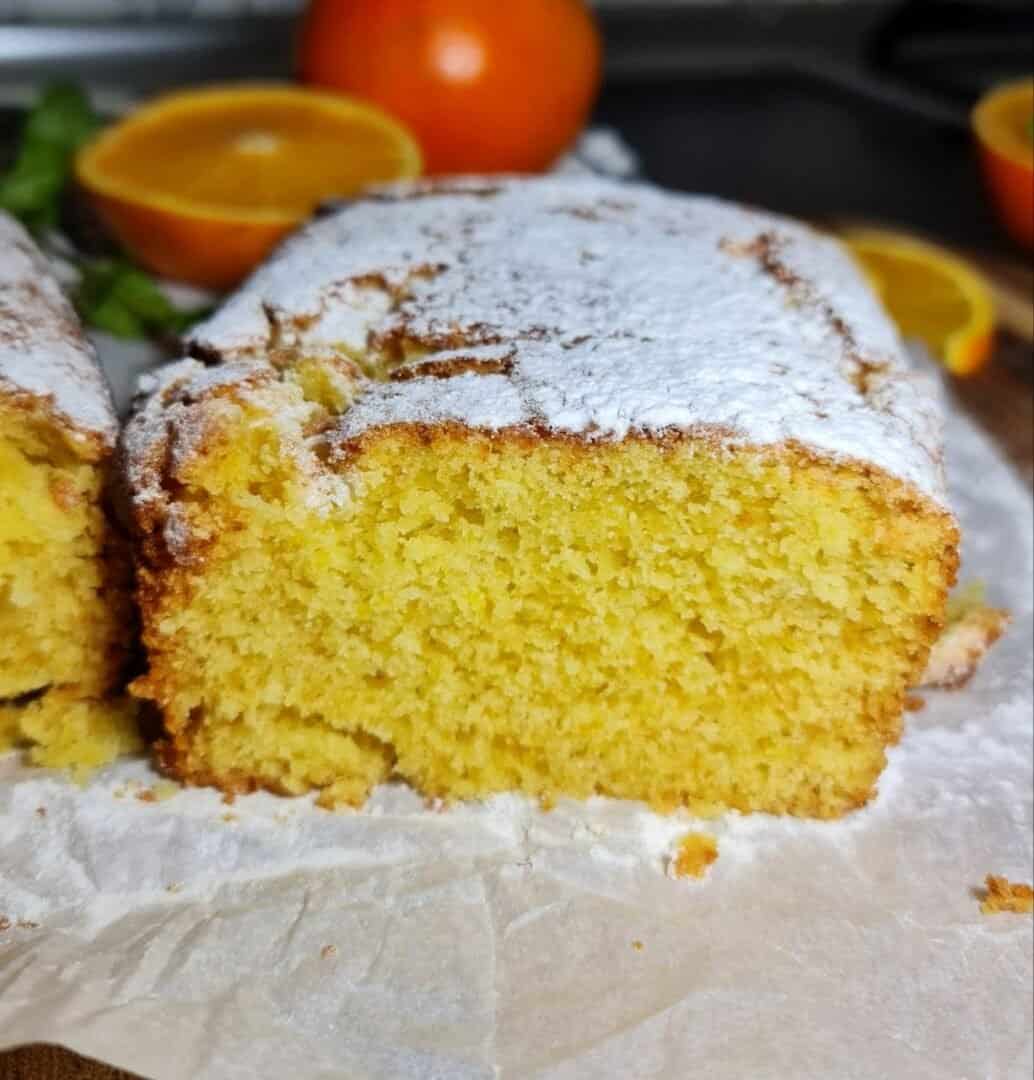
{"points": [[1003, 895], [63, 731], [65, 615], [670, 591], [695, 853]]}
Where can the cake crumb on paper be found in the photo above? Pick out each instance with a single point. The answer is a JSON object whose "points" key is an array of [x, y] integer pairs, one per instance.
{"points": [[328, 952], [41, 811], [161, 792], [914, 703], [695, 853], [972, 628], [637, 945], [1002, 895], [5, 923]]}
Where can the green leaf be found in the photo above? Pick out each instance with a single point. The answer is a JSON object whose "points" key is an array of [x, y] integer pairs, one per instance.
{"points": [[142, 296], [63, 117], [57, 125], [111, 316], [116, 296], [35, 181], [112, 295]]}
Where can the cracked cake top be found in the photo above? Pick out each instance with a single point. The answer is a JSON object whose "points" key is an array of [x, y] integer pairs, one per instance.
{"points": [[589, 308], [44, 357]]}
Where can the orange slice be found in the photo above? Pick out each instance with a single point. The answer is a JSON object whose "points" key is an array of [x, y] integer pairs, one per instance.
{"points": [[931, 295], [1003, 121], [200, 185]]}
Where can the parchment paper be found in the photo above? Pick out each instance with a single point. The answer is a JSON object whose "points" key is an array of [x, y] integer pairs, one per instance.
{"points": [[187, 938]]}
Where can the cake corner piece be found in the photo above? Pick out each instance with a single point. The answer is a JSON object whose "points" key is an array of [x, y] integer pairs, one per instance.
{"points": [[65, 606]]}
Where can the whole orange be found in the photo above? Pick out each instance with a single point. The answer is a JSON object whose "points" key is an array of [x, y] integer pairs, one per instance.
{"points": [[1004, 124], [485, 85]]}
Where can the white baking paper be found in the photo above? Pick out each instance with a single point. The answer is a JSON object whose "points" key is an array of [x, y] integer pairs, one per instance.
{"points": [[188, 939]]}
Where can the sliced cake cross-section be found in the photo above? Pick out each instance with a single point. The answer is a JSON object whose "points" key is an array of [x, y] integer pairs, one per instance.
{"points": [[65, 602], [560, 486]]}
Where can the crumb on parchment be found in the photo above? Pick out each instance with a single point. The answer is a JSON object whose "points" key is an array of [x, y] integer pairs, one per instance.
{"points": [[914, 703], [7, 923], [1002, 895], [637, 945], [694, 854], [972, 627], [328, 952]]}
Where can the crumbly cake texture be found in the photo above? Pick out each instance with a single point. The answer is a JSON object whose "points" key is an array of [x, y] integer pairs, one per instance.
{"points": [[1002, 896], [63, 730], [64, 571], [563, 486]]}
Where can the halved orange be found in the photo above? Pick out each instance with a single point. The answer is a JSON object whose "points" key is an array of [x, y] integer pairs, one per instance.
{"points": [[1003, 121], [201, 184], [931, 294]]}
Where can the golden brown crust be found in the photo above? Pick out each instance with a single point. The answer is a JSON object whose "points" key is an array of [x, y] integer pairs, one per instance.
{"points": [[48, 369], [82, 443]]}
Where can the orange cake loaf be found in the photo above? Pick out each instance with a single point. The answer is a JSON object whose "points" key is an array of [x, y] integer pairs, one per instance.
{"points": [[558, 486], [64, 572]]}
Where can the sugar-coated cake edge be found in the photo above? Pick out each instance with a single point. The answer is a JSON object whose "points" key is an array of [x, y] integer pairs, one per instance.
{"points": [[47, 366]]}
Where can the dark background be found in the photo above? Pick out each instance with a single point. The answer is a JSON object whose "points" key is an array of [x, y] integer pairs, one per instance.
{"points": [[827, 109]]}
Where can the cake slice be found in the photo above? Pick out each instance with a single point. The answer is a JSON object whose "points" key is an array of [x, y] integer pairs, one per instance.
{"points": [[64, 589], [558, 486]]}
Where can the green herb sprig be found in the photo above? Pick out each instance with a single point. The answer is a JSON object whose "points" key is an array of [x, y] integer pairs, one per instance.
{"points": [[59, 123], [112, 294]]}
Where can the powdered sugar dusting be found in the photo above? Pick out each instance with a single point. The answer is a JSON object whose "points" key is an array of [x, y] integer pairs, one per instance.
{"points": [[628, 310], [43, 353]]}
